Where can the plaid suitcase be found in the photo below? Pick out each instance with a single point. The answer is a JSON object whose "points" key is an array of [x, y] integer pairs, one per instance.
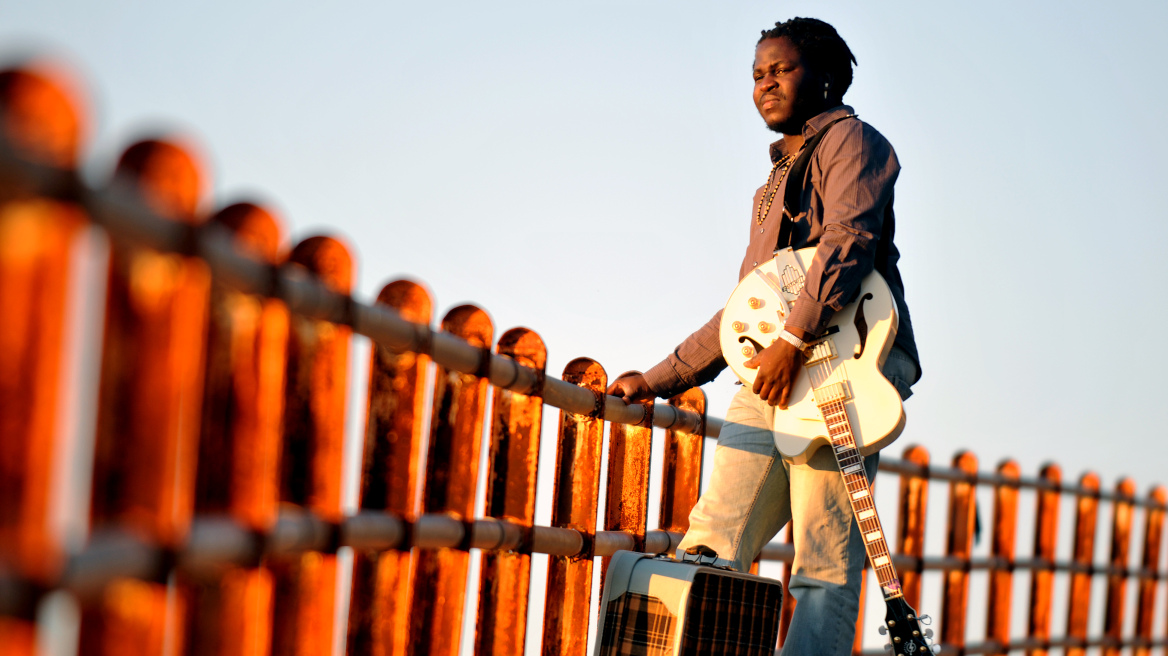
{"points": [[658, 606]]}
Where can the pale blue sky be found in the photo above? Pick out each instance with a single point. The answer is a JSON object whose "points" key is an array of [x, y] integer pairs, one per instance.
{"points": [[586, 169]]}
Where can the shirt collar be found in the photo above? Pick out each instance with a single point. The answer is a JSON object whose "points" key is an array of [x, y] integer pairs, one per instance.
{"points": [[812, 126]]}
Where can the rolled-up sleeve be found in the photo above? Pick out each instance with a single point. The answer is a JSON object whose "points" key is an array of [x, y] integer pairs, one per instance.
{"points": [[856, 169]]}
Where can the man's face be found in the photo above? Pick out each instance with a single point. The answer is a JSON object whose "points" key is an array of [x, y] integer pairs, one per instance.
{"points": [[786, 92]]}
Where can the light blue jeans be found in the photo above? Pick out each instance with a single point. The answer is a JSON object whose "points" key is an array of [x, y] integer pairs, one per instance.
{"points": [[754, 492]]}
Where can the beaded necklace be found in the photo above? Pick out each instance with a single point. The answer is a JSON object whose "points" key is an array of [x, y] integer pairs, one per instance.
{"points": [[772, 188]]}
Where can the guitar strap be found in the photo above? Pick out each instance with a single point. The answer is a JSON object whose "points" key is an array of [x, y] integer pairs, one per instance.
{"points": [[794, 192]]}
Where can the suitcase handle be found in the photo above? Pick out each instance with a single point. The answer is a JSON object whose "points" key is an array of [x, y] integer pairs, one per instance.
{"points": [[700, 554]]}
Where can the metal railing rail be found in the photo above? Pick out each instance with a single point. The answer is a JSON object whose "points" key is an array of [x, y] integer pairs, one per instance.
{"points": [[129, 220], [215, 350]]}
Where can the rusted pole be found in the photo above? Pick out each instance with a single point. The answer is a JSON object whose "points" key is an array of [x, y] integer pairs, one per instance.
{"points": [[569, 582], [310, 464], [1001, 588], [910, 539], [1086, 516], [959, 544], [626, 493], [1045, 542], [1121, 529], [858, 640], [150, 400], [243, 405], [379, 606], [42, 121], [456, 429], [511, 484], [682, 471], [1153, 538], [788, 610]]}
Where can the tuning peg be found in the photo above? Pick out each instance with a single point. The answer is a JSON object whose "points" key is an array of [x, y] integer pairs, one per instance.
{"points": [[888, 646], [883, 630], [929, 633], [925, 619]]}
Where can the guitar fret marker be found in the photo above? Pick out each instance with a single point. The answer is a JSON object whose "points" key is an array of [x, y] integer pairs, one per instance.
{"points": [[872, 537], [880, 562], [865, 514], [860, 495]]}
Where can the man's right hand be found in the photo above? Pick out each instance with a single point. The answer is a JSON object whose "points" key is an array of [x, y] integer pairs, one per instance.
{"points": [[631, 388]]}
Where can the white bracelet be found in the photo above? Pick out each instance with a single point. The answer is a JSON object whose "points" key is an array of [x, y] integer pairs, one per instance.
{"points": [[792, 340]]}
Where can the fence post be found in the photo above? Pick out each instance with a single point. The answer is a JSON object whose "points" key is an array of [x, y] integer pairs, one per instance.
{"points": [[149, 401], [379, 603], [1045, 542], [512, 471], [1079, 605], [959, 544], [626, 496], [1001, 587], [569, 582], [1149, 575], [914, 501], [40, 120], [682, 471], [456, 429], [1121, 526], [243, 404], [788, 610], [310, 468]]}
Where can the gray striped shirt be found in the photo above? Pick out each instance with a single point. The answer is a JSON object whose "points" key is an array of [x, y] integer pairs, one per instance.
{"points": [[841, 213]]}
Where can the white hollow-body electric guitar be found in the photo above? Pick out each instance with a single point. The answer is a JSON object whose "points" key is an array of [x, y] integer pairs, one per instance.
{"points": [[841, 400], [845, 364]]}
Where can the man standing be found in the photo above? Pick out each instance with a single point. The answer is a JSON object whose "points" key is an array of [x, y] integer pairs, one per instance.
{"points": [[802, 68]]}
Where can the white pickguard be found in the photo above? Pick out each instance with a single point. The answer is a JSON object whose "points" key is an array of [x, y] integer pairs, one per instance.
{"points": [[875, 408]]}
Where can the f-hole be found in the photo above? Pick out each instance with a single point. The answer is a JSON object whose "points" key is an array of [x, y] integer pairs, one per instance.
{"points": [[757, 347], [861, 325]]}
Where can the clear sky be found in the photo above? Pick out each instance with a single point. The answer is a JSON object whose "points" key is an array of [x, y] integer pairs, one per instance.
{"points": [[586, 169]]}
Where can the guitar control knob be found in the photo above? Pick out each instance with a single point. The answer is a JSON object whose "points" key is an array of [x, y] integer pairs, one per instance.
{"points": [[765, 327], [738, 327], [754, 303], [748, 351]]}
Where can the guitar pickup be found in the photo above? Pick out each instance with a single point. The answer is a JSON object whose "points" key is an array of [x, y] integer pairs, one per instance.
{"points": [[819, 352], [821, 349], [832, 393]]}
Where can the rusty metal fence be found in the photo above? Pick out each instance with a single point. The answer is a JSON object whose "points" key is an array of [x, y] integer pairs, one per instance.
{"points": [[215, 514]]}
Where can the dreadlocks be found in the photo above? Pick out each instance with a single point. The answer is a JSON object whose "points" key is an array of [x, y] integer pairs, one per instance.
{"points": [[821, 47]]}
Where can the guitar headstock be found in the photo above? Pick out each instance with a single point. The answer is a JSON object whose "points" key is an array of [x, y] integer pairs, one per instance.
{"points": [[906, 631]]}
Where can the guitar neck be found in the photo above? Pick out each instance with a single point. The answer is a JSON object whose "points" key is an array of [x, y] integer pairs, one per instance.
{"points": [[851, 465]]}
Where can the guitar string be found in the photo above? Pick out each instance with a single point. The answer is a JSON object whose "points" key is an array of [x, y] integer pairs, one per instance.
{"points": [[855, 481], [845, 450], [847, 455]]}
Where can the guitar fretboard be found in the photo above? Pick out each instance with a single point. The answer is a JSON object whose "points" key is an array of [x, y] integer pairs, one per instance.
{"points": [[832, 403]]}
